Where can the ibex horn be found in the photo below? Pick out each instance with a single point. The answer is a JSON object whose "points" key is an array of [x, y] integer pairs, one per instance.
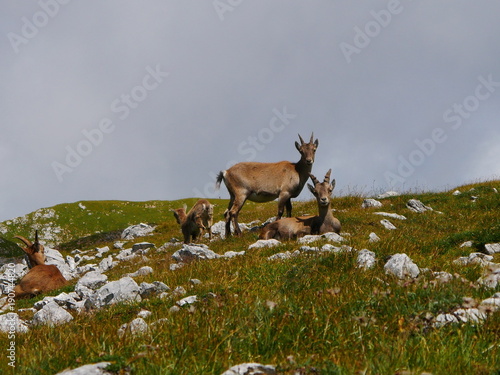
{"points": [[25, 240], [312, 138], [36, 244], [327, 176], [314, 179]]}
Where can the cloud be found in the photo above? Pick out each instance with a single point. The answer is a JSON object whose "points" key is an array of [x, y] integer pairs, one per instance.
{"points": [[226, 80]]}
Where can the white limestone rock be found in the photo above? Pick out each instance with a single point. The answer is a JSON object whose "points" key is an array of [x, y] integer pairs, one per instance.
{"points": [[401, 266]]}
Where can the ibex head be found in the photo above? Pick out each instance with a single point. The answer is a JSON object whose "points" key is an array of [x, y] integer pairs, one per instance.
{"points": [[322, 190], [180, 214], [307, 150], [34, 250]]}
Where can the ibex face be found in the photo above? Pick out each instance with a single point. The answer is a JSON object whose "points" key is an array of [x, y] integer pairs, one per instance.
{"points": [[307, 150], [180, 214], [322, 190]]}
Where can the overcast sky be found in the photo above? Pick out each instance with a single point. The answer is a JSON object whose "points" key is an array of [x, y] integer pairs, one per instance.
{"points": [[144, 100]]}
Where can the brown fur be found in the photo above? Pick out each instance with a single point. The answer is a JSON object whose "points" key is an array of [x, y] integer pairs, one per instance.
{"points": [[41, 277], [196, 221], [294, 227], [264, 182]]}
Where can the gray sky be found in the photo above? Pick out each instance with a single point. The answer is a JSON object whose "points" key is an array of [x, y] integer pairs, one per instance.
{"points": [[142, 100]]}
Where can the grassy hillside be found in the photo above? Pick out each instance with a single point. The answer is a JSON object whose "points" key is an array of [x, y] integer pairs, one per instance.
{"points": [[306, 315]]}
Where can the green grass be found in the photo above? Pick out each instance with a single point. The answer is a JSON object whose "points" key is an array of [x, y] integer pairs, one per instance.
{"points": [[307, 315]]}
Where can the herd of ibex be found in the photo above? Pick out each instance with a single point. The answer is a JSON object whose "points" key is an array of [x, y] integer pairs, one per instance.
{"points": [[258, 182]]}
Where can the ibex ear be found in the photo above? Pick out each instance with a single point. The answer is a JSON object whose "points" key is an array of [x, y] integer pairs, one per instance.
{"points": [[316, 142], [297, 146], [333, 184], [311, 188]]}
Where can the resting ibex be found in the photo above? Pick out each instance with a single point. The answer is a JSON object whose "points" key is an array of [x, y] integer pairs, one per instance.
{"points": [[41, 277], [264, 182], [196, 221], [293, 227]]}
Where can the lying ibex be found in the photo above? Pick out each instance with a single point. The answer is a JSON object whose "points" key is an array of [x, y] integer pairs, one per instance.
{"points": [[41, 277], [196, 221], [293, 227], [264, 182]]}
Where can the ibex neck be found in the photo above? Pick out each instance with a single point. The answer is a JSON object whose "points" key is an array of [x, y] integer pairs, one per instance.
{"points": [[182, 217], [325, 213]]}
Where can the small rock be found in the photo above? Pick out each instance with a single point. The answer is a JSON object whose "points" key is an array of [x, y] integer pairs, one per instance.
{"points": [[187, 301], [457, 192], [492, 248], [491, 277], [286, 255], [142, 246], [147, 290], [232, 254], [388, 195], [136, 327], [443, 277], [91, 369], [143, 271], [123, 290], [492, 303], [305, 249], [310, 238], [11, 322], [175, 309], [176, 266], [460, 316], [40, 304], [387, 224], [401, 266], [138, 230], [251, 369], [334, 237], [83, 292], [64, 299], [392, 216], [92, 280], [373, 237], [144, 314], [52, 314], [367, 203], [474, 258], [119, 245], [70, 261], [467, 244], [103, 250], [416, 206], [264, 244], [179, 291], [106, 264], [192, 252], [366, 259], [331, 248]]}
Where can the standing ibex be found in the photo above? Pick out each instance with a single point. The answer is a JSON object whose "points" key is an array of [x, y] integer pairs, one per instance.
{"points": [[264, 182], [41, 277], [196, 221], [294, 227]]}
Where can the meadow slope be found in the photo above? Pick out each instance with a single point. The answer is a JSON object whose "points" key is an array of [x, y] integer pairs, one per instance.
{"points": [[310, 314]]}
